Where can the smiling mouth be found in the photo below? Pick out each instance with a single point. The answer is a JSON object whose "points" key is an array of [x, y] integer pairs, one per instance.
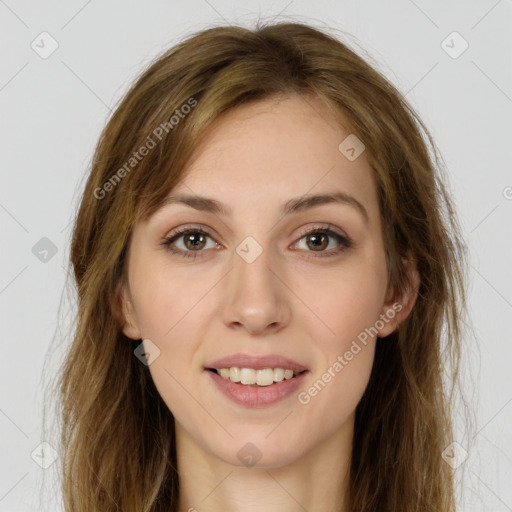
{"points": [[256, 378]]}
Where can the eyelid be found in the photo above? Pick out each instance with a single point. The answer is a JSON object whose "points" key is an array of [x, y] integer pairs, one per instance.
{"points": [[324, 227], [206, 230]]}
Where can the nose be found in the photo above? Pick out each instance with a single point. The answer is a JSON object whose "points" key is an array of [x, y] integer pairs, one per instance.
{"points": [[256, 298]]}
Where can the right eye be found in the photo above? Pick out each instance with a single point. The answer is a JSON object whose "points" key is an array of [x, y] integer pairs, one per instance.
{"points": [[193, 241]]}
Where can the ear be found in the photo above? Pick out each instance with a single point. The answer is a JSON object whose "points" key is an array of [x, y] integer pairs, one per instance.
{"points": [[398, 305], [125, 314]]}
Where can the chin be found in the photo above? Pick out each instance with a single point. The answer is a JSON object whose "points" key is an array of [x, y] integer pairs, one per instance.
{"points": [[248, 450]]}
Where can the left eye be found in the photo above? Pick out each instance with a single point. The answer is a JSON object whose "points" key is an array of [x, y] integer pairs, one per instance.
{"points": [[194, 240], [318, 241]]}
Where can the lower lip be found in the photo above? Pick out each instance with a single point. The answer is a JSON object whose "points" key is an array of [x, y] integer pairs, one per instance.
{"points": [[257, 396]]}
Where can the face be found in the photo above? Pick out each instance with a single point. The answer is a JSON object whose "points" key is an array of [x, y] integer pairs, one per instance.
{"points": [[265, 281]]}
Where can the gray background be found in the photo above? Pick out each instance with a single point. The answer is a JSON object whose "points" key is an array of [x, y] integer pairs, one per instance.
{"points": [[52, 110]]}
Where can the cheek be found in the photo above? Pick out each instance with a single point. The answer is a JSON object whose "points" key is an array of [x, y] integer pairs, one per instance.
{"points": [[347, 301], [169, 305], [346, 353], [331, 397], [166, 298]]}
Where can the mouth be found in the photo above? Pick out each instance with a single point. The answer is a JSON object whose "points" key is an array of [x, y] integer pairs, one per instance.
{"points": [[256, 388], [256, 380], [252, 377]]}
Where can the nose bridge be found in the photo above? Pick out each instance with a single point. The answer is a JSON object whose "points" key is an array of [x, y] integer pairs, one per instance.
{"points": [[252, 273]]}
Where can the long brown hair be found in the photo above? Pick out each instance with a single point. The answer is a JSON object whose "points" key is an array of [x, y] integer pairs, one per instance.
{"points": [[117, 434]]}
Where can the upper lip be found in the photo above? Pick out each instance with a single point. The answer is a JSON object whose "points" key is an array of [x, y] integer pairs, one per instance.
{"points": [[256, 362]]}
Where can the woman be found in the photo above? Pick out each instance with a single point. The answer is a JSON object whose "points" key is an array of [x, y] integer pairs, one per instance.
{"points": [[266, 258]]}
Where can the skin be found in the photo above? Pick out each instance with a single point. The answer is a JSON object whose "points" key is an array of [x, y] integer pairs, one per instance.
{"points": [[288, 301]]}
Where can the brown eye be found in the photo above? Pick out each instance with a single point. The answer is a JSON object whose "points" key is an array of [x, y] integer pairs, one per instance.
{"points": [[188, 242], [317, 241], [194, 240]]}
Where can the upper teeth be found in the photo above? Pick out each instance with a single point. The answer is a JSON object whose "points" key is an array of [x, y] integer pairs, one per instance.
{"points": [[263, 377]]}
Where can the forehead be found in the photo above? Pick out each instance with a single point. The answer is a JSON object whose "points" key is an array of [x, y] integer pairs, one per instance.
{"points": [[272, 150]]}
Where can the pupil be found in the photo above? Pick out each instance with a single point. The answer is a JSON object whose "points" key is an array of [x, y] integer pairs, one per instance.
{"points": [[191, 237], [316, 240]]}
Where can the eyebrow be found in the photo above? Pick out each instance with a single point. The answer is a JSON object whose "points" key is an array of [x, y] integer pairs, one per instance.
{"points": [[295, 205]]}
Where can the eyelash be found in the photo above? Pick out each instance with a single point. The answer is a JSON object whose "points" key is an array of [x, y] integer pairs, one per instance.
{"points": [[345, 242]]}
